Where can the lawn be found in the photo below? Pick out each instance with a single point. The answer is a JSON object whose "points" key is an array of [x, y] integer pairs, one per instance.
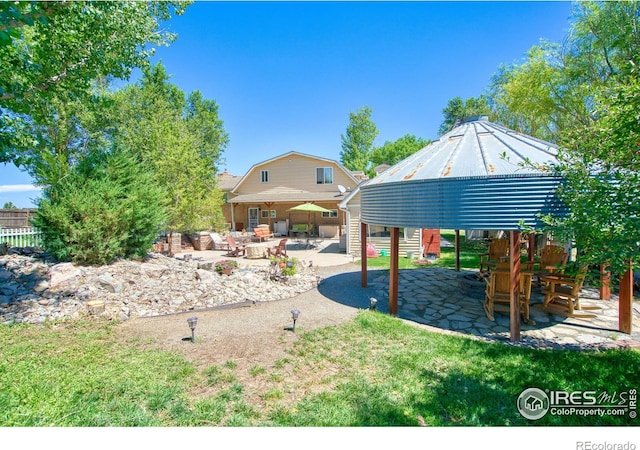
{"points": [[469, 251], [373, 371]]}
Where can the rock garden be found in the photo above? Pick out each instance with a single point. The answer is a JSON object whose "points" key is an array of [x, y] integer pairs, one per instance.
{"points": [[35, 289]]}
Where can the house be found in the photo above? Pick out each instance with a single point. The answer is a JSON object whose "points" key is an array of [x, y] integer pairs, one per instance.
{"points": [[411, 239], [269, 188]]}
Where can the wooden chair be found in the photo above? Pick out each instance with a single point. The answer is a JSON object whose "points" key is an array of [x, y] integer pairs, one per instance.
{"points": [[235, 249], [553, 259], [498, 248], [279, 250], [497, 293], [562, 294]]}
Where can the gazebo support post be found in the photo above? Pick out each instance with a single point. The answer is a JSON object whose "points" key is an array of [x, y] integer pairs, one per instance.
{"points": [[605, 283], [393, 271], [532, 247], [457, 250], [363, 254], [625, 305], [514, 298]]}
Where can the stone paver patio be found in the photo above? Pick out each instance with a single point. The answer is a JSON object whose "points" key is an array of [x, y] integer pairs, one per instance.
{"points": [[450, 300]]}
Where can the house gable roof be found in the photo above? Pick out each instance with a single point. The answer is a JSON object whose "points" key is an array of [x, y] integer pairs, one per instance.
{"points": [[287, 155]]}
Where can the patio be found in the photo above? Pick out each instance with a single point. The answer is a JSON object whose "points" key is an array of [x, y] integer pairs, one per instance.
{"points": [[448, 300]]}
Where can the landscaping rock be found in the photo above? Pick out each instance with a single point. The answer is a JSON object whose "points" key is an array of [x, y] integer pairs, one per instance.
{"points": [[35, 290]]}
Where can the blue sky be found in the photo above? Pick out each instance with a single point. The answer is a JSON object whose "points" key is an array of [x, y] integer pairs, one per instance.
{"points": [[286, 74]]}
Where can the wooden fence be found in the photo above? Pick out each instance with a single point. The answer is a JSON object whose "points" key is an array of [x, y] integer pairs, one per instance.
{"points": [[14, 218], [21, 237]]}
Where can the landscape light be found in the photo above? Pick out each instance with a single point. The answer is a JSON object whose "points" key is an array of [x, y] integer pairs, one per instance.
{"points": [[192, 321], [294, 314]]}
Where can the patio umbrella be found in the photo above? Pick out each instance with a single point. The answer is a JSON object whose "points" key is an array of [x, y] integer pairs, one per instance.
{"points": [[310, 207]]}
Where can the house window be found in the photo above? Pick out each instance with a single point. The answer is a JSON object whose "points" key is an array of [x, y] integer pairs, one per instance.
{"points": [[377, 231], [265, 213], [324, 175], [330, 215], [264, 176]]}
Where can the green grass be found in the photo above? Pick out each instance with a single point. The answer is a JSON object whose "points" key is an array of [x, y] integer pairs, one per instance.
{"points": [[469, 258], [373, 371]]}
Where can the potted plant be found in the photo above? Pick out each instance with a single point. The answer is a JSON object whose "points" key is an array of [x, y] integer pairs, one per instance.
{"points": [[290, 267], [226, 266]]}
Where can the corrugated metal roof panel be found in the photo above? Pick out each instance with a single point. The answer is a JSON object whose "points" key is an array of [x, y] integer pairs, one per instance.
{"points": [[474, 148], [471, 178]]}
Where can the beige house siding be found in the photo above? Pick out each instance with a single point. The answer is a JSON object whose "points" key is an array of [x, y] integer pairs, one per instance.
{"points": [[291, 181], [295, 172], [412, 242]]}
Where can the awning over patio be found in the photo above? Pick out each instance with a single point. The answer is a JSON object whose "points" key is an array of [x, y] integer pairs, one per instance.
{"points": [[283, 195]]}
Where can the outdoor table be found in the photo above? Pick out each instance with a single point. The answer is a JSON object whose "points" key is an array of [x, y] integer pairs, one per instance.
{"points": [[257, 250]]}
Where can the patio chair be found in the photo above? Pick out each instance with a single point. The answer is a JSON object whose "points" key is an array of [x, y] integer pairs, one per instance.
{"points": [[279, 250], [562, 295], [553, 259], [498, 248], [498, 295], [235, 250], [218, 242]]}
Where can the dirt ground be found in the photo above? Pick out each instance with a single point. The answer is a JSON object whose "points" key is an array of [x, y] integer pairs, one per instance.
{"points": [[255, 334]]}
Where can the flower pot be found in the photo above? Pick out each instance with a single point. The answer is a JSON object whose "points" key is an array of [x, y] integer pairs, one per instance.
{"points": [[227, 271]]}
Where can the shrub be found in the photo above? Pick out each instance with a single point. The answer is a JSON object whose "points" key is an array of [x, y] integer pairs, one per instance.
{"points": [[107, 206]]}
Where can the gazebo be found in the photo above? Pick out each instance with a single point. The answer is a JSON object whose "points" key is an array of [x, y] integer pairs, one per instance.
{"points": [[478, 176]]}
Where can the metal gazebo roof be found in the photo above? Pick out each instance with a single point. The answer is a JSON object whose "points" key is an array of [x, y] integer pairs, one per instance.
{"points": [[470, 178]]}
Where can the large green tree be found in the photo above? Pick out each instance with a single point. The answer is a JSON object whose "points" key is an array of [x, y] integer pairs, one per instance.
{"points": [[394, 152], [51, 53], [601, 165], [585, 95], [357, 142], [553, 88], [458, 109], [180, 137]]}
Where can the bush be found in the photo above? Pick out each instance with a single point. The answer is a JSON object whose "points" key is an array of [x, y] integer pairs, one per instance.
{"points": [[108, 206]]}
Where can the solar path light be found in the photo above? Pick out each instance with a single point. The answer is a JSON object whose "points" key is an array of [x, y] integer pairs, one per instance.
{"points": [[294, 314], [192, 321]]}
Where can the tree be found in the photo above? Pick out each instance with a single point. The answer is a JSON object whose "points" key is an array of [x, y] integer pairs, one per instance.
{"points": [[9, 205], [552, 90], [357, 143], [458, 109], [601, 167], [52, 52], [394, 152], [180, 138], [107, 206], [593, 88]]}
